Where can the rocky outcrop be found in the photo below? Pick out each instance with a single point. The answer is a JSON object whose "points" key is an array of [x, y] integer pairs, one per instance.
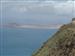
{"points": [[62, 43]]}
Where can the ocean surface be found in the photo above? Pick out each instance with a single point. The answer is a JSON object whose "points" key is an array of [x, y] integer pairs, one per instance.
{"points": [[22, 42]]}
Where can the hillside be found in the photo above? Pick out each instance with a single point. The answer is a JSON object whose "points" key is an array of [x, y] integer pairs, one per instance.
{"points": [[62, 43]]}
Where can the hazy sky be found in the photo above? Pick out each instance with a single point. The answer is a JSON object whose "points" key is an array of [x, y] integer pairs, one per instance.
{"points": [[37, 11]]}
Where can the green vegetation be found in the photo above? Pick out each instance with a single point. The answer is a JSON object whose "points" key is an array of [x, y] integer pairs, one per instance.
{"points": [[62, 43]]}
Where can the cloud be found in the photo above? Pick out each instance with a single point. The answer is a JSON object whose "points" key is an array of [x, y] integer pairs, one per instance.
{"points": [[40, 5], [21, 9], [38, 0], [40, 11], [65, 8], [43, 6]]}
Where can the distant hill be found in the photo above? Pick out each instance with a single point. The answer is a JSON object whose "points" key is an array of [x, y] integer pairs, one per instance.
{"points": [[32, 26], [62, 43]]}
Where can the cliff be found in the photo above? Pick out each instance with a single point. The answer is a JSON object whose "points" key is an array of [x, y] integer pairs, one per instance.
{"points": [[62, 43]]}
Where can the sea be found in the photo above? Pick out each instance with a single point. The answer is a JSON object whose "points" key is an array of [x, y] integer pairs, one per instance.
{"points": [[22, 42]]}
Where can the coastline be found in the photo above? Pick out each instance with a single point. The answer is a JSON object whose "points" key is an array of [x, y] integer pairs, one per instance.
{"points": [[34, 26]]}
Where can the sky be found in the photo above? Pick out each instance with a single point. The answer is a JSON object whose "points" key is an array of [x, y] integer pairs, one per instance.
{"points": [[37, 11]]}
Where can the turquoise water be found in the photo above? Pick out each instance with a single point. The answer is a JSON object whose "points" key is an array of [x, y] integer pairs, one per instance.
{"points": [[22, 42]]}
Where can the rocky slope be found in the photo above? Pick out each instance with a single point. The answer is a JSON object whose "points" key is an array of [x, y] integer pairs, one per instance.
{"points": [[62, 43]]}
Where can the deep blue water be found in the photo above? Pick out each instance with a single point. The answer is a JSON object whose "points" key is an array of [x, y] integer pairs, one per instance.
{"points": [[22, 42]]}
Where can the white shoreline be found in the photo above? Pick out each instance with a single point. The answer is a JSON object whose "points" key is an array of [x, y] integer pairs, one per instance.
{"points": [[39, 27], [34, 26]]}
